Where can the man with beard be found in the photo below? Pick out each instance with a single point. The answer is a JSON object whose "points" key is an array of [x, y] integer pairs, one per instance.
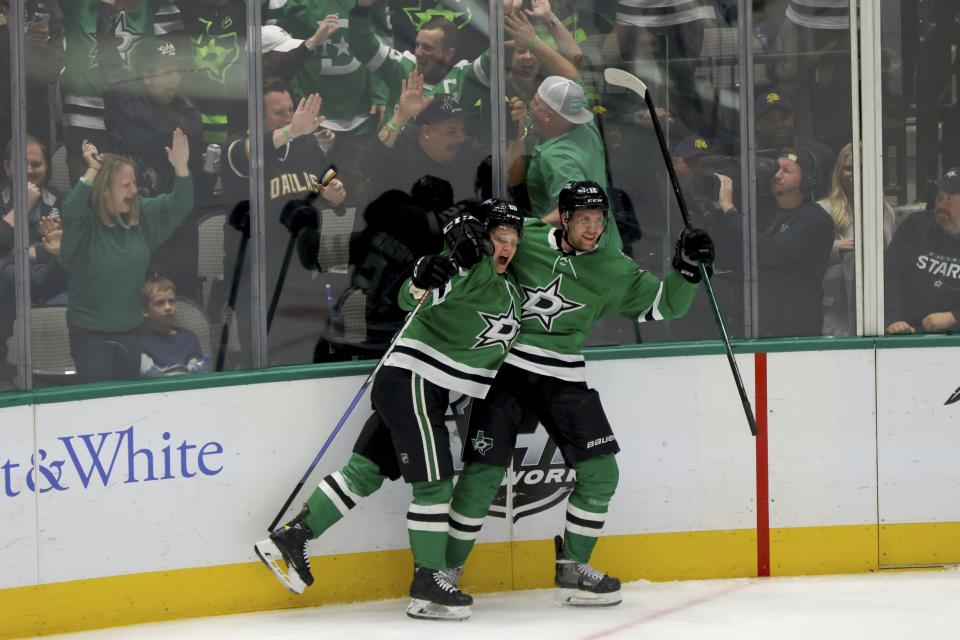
{"points": [[922, 266], [433, 58], [794, 240]]}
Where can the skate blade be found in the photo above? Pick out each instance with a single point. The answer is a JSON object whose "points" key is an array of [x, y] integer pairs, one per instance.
{"points": [[578, 598], [270, 555], [426, 610]]}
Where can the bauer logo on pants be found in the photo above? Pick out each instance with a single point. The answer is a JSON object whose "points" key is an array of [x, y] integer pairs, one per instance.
{"points": [[541, 479]]}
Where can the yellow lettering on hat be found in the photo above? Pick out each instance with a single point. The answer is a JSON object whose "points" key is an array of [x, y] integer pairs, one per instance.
{"points": [[773, 97], [700, 143]]}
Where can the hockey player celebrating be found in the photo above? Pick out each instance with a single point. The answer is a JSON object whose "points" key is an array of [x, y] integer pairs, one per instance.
{"points": [[463, 329], [568, 282]]}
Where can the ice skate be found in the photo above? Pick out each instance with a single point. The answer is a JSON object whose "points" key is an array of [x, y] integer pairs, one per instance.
{"points": [[580, 585], [288, 543], [434, 597]]}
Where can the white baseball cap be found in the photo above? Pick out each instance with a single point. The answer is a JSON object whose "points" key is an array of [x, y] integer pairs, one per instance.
{"points": [[274, 38], [566, 98]]}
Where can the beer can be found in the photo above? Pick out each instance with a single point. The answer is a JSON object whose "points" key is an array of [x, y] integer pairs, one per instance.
{"points": [[212, 160]]}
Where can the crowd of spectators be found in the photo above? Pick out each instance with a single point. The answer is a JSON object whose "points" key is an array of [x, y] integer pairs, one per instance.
{"points": [[142, 106]]}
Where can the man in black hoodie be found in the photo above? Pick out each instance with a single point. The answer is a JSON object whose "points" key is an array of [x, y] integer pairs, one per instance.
{"points": [[922, 267]]}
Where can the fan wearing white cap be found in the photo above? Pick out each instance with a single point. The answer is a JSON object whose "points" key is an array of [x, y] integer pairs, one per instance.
{"points": [[284, 55], [568, 148]]}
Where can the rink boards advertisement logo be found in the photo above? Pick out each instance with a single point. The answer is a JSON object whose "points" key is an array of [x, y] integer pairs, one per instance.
{"points": [[97, 460], [541, 479]]}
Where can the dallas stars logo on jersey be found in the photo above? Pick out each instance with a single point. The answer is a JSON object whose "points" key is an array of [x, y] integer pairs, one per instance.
{"points": [[215, 54], [546, 304], [501, 330], [127, 35], [423, 12]]}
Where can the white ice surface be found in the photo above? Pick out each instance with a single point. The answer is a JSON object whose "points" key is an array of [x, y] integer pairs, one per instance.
{"points": [[922, 605]]}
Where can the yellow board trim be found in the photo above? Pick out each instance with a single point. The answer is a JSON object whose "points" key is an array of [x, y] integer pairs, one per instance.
{"points": [[184, 593], [933, 543]]}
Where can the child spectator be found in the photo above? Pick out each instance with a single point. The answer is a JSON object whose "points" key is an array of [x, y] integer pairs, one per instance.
{"points": [[167, 349]]}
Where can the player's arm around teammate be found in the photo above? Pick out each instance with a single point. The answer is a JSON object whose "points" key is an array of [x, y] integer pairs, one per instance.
{"points": [[467, 321]]}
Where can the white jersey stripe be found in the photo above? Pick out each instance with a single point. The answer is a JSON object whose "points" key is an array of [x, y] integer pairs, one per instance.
{"points": [[583, 531], [429, 508], [586, 515], [417, 525], [436, 376], [464, 520], [334, 498], [571, 374], [345, 486]]}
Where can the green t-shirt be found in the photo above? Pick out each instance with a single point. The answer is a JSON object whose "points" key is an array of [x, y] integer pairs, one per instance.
{"points": [[576, 155]]}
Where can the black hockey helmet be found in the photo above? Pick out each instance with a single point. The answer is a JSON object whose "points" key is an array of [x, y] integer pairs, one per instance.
{"points": [[582, 194], [498, 213]]}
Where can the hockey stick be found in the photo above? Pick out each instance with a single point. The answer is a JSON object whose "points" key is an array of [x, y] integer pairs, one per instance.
{"points": [[346, 415], [621, 78]]}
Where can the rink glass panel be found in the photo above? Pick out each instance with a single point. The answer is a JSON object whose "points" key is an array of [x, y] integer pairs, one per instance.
{"points": [[327, 310]]}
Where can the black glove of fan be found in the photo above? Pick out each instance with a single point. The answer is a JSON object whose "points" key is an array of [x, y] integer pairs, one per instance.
{"points": [[299, 214], [430, 272], [693, 247]]}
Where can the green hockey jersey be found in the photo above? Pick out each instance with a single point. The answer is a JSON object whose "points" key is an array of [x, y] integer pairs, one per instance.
{"points": [[348, 89], [82, 101], [461, 335], [468, 81], [565, 293]]}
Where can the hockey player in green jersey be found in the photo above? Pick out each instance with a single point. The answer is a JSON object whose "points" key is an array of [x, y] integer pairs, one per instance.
{"points": [[568, 282], [462, 331]]}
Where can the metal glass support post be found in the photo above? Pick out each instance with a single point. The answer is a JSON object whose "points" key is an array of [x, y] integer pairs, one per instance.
{"points": [[258, 293], [748, 169], [498, 91], [868, 181], [18, 141]]}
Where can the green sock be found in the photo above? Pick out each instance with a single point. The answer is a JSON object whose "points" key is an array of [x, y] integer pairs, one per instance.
{"points": [[340, 492], [587, 507], [427, 522], [475, 490]]}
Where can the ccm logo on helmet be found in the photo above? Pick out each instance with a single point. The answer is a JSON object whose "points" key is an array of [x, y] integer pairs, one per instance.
{"points": [[600, 441]]}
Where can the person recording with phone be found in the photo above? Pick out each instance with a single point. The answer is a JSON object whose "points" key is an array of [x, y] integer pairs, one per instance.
{"points": [[794, 238]]}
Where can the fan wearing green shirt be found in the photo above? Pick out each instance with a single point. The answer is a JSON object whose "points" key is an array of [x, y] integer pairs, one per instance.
{"points": [[109, 233]]}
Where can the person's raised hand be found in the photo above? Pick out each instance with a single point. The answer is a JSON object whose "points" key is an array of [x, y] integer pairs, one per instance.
{"points": [[90, 154], [334, 193], [518, 27], [305, 118], [178, 153], [412, 101], [33, 195], [325, 29], [50, 228]]}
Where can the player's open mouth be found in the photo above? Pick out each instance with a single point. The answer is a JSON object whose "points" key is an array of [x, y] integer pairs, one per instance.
{"points": [[503, 261]]}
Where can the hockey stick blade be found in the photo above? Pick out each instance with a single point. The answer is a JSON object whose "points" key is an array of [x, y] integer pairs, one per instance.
{"points": [[621, 78]]}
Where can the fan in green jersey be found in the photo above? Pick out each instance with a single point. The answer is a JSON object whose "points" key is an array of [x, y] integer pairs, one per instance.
{"points": [[465, 324], [434, 58], [569, 280]]}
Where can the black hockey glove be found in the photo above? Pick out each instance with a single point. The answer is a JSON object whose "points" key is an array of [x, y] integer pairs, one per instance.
{"points": [[240, 217], [430, 272], [299, 214], [693, 246], [466, 236]]}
